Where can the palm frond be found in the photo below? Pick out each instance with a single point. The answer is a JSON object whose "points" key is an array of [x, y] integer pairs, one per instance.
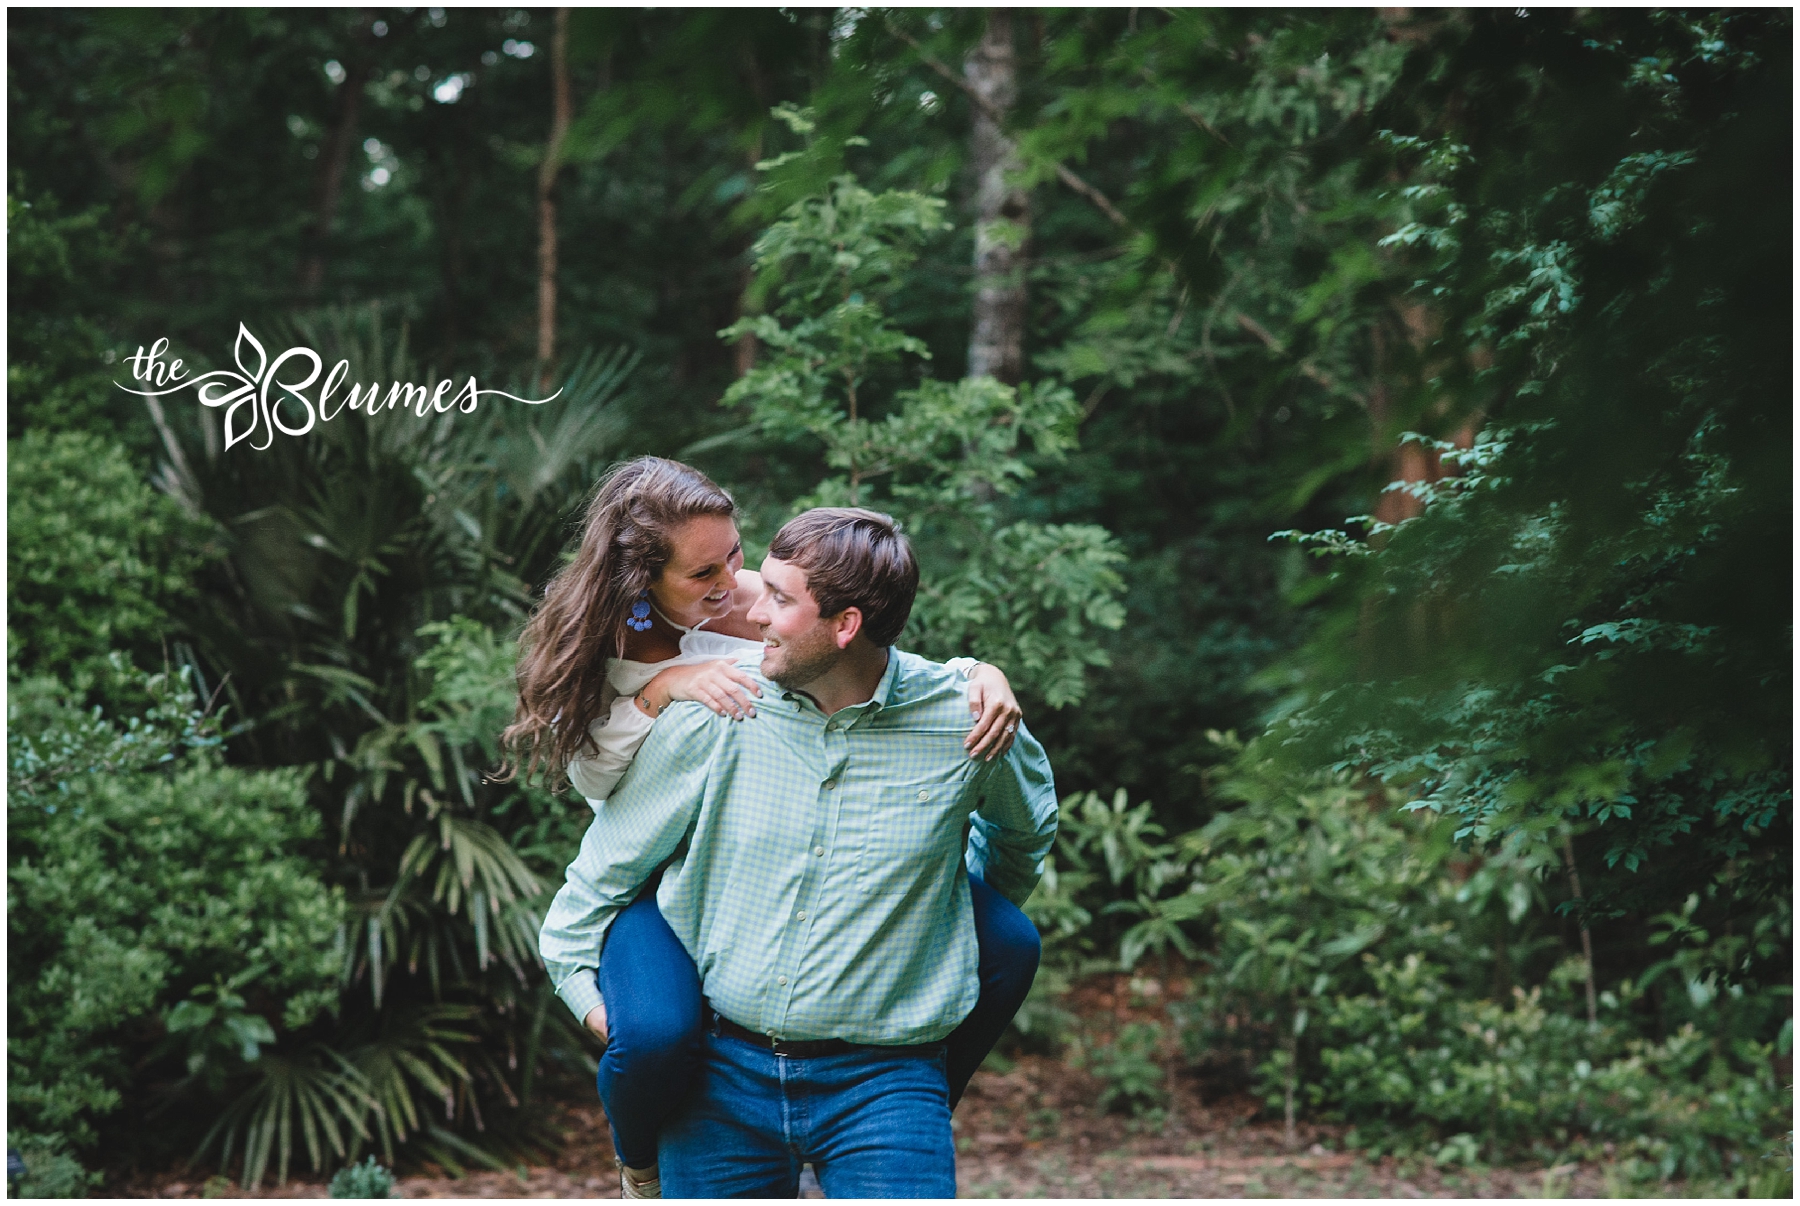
{"points": [[468, 862], [320, 1091], [413, 1063]]}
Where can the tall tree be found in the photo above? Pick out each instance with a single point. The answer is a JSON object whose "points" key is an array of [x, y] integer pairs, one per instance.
{"points": [[561, 113], [1002, 206], [338, 141]]}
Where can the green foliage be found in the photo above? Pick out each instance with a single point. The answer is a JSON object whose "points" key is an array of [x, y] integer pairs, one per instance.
{"points": [[1131, 1070], [97, 560], [318, 1093], [1367, 971], [57, 375], [148, 882], [1413, 1059], [1105, 865], [944, 458], [50, 1172], [1579, 634], [365, 1180]]}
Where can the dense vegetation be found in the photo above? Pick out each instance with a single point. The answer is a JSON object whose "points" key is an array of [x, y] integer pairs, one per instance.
{"points": [[1378, 485]]}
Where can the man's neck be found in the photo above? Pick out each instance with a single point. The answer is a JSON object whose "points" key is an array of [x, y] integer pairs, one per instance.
{"points": [[852, 680]]}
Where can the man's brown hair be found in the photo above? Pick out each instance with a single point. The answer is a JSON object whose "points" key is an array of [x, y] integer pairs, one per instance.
{"points": [[853, 557]]}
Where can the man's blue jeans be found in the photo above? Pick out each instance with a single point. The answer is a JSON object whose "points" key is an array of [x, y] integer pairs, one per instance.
{"points": [[654, 1011], [873, 1124]]}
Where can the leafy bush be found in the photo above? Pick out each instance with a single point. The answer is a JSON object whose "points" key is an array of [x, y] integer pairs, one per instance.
{"points": [[1412, 1063], [1130, 1068], [1108, 864], [159, 904], [49, 1172], [96, 559], [365, 1180], [1366, 970]]}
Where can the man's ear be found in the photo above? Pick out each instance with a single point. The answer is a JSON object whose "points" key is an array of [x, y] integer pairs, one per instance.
{"points": [[845, 625]]}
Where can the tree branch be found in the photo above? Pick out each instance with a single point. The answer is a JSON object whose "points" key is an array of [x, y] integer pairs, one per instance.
{"points": [[1063, 173], [1251, 327]]}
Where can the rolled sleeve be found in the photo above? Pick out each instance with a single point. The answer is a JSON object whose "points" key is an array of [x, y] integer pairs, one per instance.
{"points": [[1014, 825], [643, 824]]}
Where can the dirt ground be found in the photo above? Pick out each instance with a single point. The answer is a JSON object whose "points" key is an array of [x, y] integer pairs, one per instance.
{"points": [[1035, 1131], [1032, 1132]]}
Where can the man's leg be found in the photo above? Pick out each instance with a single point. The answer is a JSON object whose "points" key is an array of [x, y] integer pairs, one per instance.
{"points": [[875, 1125], [731, 1139]]}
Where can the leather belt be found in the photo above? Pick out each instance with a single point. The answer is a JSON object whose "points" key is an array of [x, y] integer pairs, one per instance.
{"points": [[812, 1048]]}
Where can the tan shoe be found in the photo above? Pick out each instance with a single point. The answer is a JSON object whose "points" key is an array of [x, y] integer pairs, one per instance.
{"points": [[639, 1182]]}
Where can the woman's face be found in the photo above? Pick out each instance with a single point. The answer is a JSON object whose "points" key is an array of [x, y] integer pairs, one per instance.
{"points": [[698, 581]]}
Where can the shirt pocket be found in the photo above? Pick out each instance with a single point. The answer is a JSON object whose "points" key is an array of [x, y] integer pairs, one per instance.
{"points": [[906, 831]]}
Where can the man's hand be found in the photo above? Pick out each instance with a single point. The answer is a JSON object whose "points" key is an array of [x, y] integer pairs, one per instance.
{"points": [[596, 1021], [996, 711]]}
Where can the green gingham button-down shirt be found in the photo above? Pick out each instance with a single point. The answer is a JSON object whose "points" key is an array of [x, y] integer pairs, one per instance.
{"points": [[815, 876]]}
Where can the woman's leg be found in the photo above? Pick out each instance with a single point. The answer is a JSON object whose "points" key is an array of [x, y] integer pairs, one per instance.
{"points": [[1009, 959], [652, 995]]}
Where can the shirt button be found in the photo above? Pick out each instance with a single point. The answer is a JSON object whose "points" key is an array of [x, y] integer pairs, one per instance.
{"points": [[830, 783], [819, 851], [782, 980], [923, 794], [800, 916]]}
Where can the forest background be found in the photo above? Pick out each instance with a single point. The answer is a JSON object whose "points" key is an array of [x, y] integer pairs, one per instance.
{"points": [[1363, 435]]}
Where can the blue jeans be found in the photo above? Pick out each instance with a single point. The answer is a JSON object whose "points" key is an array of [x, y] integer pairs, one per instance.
{"points": [[872, 1123], [652, 995]]}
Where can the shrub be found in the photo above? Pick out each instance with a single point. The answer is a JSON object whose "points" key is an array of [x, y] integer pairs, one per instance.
{"points": [[1129, 1066], [49, 1171], [158, 904], [95, 557], [1365, 970], [1413, 1061], [365, 1180]]}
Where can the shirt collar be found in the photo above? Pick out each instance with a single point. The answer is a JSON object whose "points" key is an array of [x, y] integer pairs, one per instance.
{"points": [[886, 693]]}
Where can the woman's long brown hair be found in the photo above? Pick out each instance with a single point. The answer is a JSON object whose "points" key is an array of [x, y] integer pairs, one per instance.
{"points": [[626, 541]]}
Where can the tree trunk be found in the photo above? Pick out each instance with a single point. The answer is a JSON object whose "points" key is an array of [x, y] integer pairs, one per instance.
{"points": [[338, 144], [1587, 939], [743, 355], [1003, 221], [560, 116]]}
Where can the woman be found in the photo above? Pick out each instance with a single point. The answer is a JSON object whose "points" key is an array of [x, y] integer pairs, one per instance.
{"points": [[652, 610]]}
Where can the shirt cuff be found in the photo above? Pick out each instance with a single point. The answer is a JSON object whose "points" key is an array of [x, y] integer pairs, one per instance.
{"points": [[581, 992]]}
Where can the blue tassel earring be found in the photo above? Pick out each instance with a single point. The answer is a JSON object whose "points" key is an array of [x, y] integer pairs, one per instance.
{"points": [[639, 620]]}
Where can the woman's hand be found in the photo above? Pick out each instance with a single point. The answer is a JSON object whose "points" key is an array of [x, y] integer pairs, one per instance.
{"points": [[596, 1021], [717, 684], [996, 712]]}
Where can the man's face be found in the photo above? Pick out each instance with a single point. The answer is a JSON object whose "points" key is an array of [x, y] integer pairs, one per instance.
{"points": [[799, 646]]}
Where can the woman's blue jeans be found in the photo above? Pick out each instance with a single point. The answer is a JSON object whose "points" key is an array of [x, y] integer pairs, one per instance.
{"points": [[653, 1013]]}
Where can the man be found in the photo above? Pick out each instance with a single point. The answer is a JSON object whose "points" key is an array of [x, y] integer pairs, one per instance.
{"points": [[816, 882]]}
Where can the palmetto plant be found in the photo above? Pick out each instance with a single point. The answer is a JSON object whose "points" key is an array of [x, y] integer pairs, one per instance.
{"points": [[362, 621], [319, 1093]]}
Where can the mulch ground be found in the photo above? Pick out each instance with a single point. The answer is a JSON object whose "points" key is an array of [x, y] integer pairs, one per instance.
{"points": [[1035, 1130]]}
